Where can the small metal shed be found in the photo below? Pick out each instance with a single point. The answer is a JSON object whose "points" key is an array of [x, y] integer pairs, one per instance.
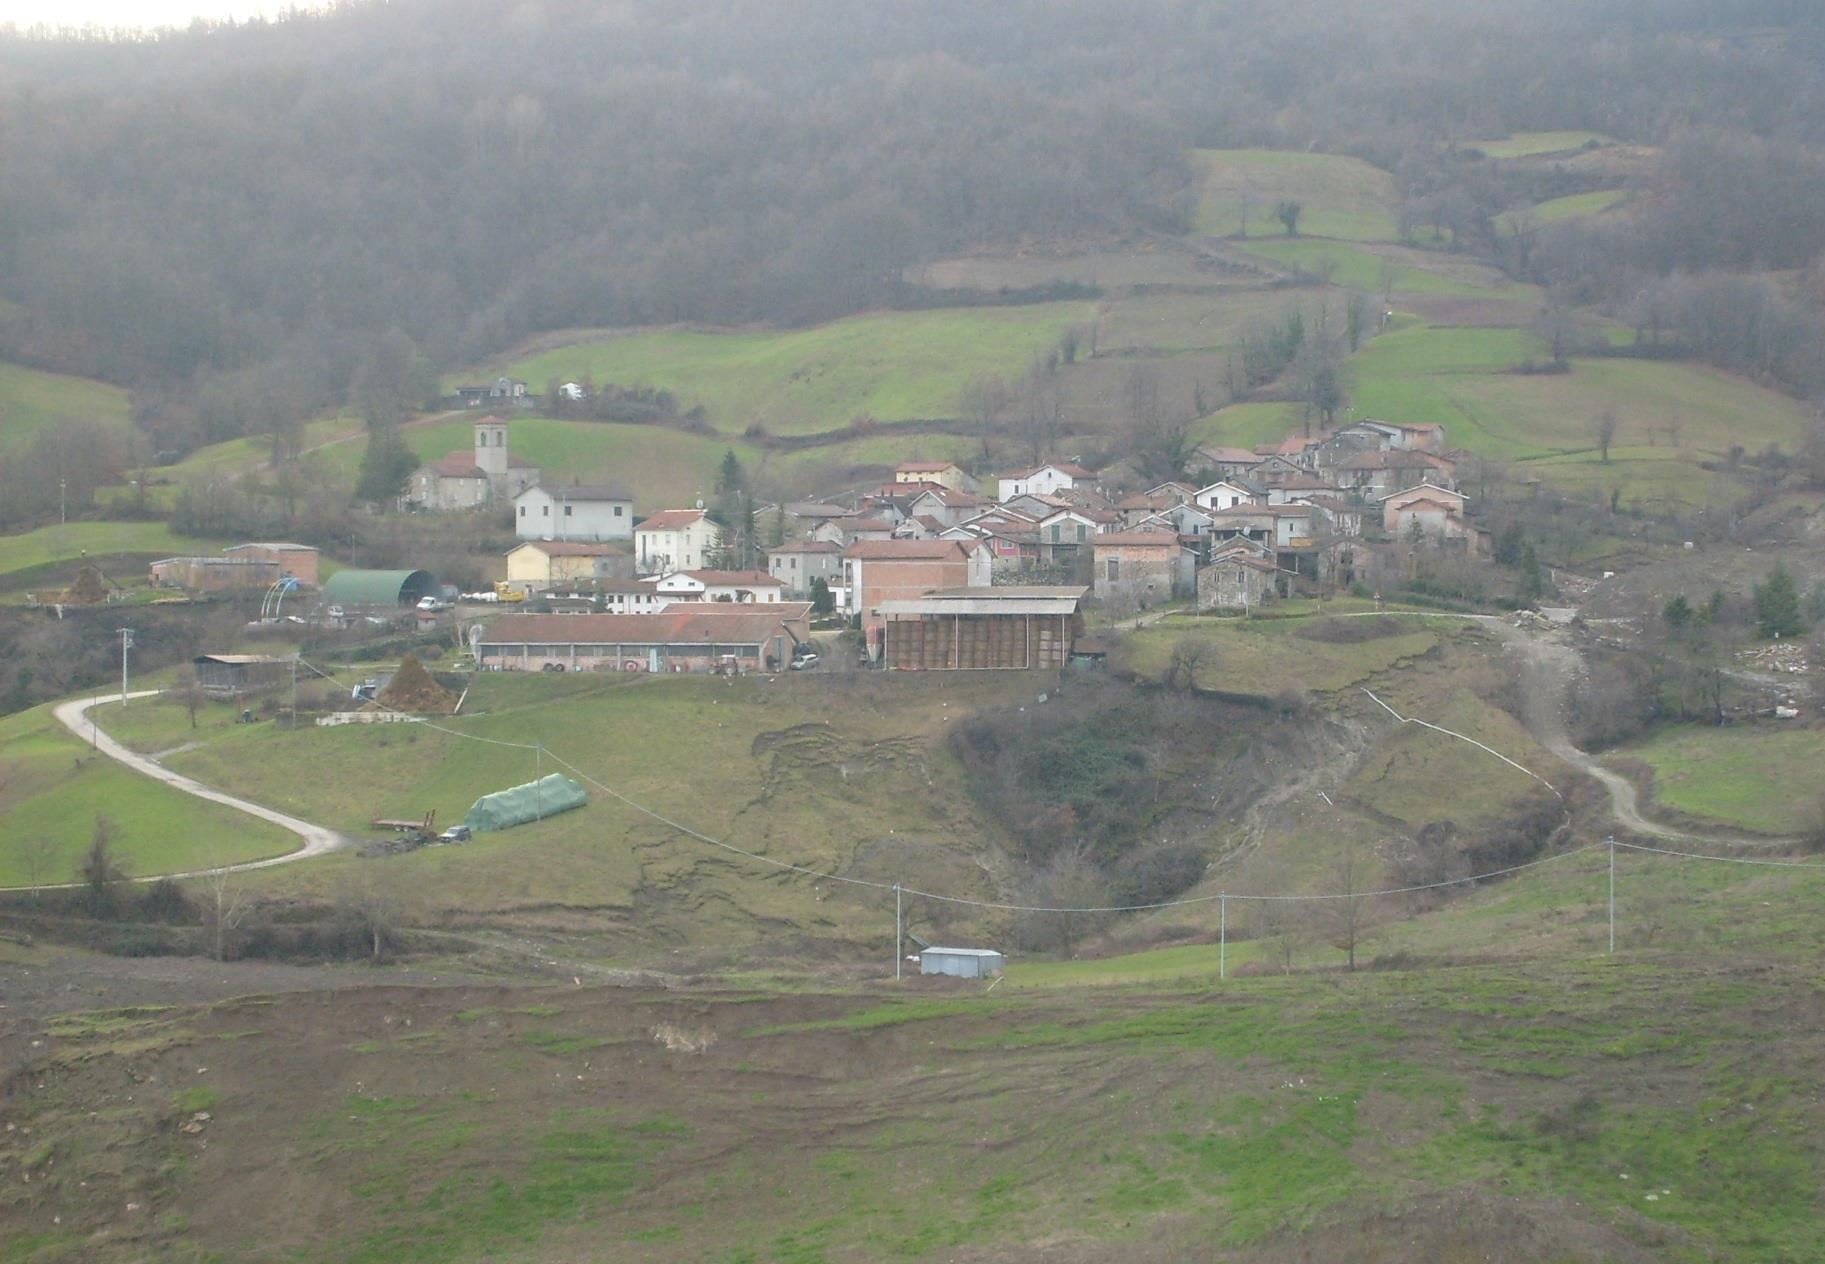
{"points": [[963, 963]]}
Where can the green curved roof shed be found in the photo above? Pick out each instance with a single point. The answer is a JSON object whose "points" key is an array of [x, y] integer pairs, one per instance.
{"points": [[378, 588]]}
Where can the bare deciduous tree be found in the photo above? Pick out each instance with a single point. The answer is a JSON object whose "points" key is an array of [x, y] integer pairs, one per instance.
{"points": [[228, 904], [37, 854], [1603, 430]]}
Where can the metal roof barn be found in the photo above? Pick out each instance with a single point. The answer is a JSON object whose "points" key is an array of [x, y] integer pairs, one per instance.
{"points": [[962, 963], [351, 588]]}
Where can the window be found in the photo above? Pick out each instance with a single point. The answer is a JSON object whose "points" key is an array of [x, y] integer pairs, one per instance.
{"points": [[1115, 569], [568, 509], [1082, 531], [617, 511], [522, 511], [546, 510]]}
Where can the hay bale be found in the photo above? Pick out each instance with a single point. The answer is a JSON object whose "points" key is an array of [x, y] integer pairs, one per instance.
{"points": [[413, 691]]}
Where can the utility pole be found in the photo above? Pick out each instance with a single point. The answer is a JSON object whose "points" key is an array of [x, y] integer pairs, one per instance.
{"points": [[63, 504], [1611, 840], [1223, 935], [294, 691], [899, 937], [126, 643]]}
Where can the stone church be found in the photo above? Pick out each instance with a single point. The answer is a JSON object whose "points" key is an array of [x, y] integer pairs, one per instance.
{"points": [[464, 480]]}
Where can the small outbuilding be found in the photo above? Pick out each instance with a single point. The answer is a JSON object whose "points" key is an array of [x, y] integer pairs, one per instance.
{"points": [[962, 963], [226, 674]]}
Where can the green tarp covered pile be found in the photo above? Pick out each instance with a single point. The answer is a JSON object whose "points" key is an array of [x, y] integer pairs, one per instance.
{"points": [[531, 802]]}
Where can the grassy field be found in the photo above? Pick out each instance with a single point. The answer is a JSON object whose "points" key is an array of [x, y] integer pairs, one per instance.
{"points": [[32, 402], [793, 778], [1265, 656], [52, 788], [1556, 209], [1356, 267], [891, 366], [1759, 779], [1591, 1111], [48, 545], [1670, 417], [1342, 197], [1533, 144]]}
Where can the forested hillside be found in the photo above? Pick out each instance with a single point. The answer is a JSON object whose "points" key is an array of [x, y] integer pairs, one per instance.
{"points": [[248, 225]]}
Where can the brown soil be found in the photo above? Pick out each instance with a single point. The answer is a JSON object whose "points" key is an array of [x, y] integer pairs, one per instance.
{"points": [[413, 691]]}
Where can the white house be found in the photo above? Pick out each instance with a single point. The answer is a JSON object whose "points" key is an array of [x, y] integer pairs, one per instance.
{"points": [[1042, 480], [736, 586], [573, 513], [1227, 493], [674, 540]]}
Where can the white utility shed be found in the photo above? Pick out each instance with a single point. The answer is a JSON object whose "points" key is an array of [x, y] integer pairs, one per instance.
{"points": [[964, 963]]}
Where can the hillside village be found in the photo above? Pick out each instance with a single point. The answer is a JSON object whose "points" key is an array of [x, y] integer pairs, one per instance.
{"points": [[1003, 562], [820, 633]]}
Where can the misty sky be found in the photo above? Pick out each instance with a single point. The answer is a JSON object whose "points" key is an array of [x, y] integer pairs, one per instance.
{"points": [[139, 13]]}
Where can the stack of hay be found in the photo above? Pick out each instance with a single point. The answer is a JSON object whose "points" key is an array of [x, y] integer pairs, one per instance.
{"points": [[413, 691]]}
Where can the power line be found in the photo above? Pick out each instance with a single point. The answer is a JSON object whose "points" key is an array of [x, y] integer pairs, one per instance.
{"points": [[1729, 860]]}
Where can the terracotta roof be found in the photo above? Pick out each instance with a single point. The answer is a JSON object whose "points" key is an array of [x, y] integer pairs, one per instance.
{"points": [[807, 546], [671, 520], [1261, 511], [1306, 483], [1136, 539], [1081, 511], [867, 524], [682, 622], [722, 579], [1408, 491], [906, 550], [950, 496], [573, 548]]}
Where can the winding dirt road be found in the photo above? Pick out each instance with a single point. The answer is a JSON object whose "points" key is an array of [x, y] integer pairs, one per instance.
{"points": [[318, 840]]}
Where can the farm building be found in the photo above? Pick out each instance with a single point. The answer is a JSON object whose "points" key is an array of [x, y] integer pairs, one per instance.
{"points": [[877, 571], [962, 963], [226, 674], [297, 560], [383, 592], [213, 574], [692, 636], [982, 629]]}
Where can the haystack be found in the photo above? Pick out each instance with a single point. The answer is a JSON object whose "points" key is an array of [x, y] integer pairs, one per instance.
{"points": [[413, 691]]}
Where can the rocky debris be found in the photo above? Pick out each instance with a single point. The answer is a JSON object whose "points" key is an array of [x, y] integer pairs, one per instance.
{"points": [[1782, 656]]}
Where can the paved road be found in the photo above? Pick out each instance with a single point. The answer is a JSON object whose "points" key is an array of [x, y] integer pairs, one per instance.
{"points": [[318, 840]]}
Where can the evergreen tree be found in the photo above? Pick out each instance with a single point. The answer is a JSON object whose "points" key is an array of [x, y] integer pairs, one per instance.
{"points": [[1533, 578], [385, 467], [1678, 613], [1777, 604], [731, 477], [823, 601]]}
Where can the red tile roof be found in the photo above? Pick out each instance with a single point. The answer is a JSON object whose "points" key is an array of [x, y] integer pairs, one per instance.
{"points": [[1135, 539], [723, 579], [906, 550], [682, 622], [807, 546], [671, 520]]}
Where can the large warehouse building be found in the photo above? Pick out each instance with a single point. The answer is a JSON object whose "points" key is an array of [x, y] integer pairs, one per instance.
{"points": [[982, 629], [692, 636]]}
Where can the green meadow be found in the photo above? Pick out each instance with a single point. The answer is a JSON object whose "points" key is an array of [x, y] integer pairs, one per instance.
{"points": [[1341, 197], [32, 402], [890, 366]]}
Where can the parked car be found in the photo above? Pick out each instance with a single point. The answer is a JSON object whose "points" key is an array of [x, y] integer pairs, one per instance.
{"points": [[804, 662], [455, 834], [489, 597], [433, 603]]}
